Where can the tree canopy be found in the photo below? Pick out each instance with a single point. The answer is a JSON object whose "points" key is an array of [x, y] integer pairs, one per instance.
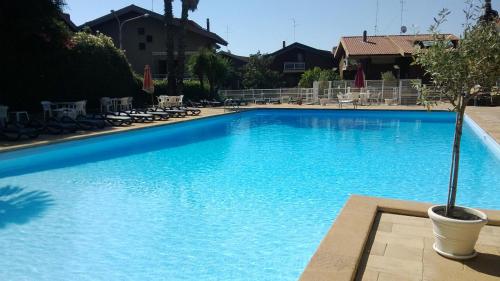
{"points": [[317, 74], [257, 74]]}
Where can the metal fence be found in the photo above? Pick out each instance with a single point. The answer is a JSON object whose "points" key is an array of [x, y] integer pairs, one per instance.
{"points": [[396, 92], [283, 94]]}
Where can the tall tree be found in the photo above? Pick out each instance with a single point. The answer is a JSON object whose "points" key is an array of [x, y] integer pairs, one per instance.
{"points": [[460, 74], [187, 5], [169, 22], [198, 65], [257, 74], [207, 64], [37, 41]]}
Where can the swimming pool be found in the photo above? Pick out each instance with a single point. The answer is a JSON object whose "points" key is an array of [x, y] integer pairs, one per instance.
{"points": [[246, 196]]}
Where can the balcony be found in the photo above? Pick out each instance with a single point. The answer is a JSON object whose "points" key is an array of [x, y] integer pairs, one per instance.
{"points": [[294, 67]]}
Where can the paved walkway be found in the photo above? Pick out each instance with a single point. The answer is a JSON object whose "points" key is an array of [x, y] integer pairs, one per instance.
{"points": [[400, 248]]}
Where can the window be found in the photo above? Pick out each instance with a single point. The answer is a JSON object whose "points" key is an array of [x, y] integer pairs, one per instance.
{"points": [[141, 31], [149, 38], [142, 46]]}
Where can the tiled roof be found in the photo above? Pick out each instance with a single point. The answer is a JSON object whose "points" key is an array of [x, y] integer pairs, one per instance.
{"points": [[191, 26], [303, 47], [384, 44]]}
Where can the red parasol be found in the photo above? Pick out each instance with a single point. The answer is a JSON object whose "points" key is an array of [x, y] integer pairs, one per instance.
{"points": [[148, 85], [359, 81]]}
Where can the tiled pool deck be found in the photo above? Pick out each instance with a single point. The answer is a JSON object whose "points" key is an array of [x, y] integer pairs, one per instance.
{"points": [[372, 238], [384, 239]]}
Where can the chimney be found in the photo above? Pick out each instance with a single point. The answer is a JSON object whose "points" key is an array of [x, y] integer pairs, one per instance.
{"points": [[284, 44], [364, 36], [208, 24]]}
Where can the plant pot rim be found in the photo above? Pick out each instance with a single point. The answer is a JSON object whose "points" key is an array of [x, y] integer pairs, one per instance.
{"points": [[483, 218]]}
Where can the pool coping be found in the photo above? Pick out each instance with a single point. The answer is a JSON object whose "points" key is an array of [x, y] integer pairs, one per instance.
{"points": [[122, 130], [339, 253]]}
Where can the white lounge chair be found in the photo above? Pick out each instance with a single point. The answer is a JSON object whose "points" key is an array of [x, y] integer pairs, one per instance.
{"points": [[348, 98]]}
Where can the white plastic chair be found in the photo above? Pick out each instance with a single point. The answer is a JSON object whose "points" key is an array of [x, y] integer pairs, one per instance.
{"points": [[106, 104], [348, 98], [126, 103], [47, 109], [3, 114], [80, 107], [375, 97], [181, 97]]}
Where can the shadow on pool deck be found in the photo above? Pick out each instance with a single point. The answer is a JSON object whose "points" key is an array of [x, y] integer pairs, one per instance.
{"points": [[19, 207]]}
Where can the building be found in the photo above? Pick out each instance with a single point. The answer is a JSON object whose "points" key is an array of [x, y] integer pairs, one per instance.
{"points": [[295, 59], [66, 19], [235, 80], [382, 53], [237, 62], [144, 38]]}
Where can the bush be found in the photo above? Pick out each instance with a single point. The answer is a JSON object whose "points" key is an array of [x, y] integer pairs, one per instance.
{"points": [[317, 74], [257, 73], [96, 68], [388, 76]]}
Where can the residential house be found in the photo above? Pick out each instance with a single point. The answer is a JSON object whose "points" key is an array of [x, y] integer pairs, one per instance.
{"points": [[293, 60], [66, 19], [237, 63], [144, 38], [382, 53]]}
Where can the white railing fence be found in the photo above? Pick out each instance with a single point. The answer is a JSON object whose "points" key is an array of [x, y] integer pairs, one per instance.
{"points": [[398, 91], [284, 94]]}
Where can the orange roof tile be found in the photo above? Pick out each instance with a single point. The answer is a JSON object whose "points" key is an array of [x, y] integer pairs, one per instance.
{"points": [[384, 44]]}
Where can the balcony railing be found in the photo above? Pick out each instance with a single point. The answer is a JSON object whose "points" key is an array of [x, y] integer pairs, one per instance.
{"points": [[294, 67]]}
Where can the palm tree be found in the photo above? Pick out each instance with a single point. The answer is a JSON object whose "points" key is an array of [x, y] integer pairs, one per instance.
{"points": [[169, 20], [187, 5], [199, 64]]}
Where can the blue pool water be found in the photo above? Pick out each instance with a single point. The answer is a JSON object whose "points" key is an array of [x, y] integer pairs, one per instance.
{"points": [[247, 196]]}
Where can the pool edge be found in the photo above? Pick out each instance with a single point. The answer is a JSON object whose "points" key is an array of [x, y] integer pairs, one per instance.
{"points": [[483, 135], [339, 254]]}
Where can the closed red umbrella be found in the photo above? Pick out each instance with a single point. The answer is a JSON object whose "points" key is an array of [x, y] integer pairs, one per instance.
{"points": [[359, 81], [148, 85]]}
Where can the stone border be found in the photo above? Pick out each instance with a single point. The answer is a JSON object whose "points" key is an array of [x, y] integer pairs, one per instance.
{"points": [[487, 139], [119, 130], [338, 255]]}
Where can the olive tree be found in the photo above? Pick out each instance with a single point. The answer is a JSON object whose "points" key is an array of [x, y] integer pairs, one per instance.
{"points": [[459, 73]]}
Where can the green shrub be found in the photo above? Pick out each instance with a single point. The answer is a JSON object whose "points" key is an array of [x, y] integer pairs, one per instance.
{"points": [[96, 68], [388, 76], [317, 74]]}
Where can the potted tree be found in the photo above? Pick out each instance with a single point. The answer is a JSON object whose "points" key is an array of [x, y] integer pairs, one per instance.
{"points": [[458, 73]]}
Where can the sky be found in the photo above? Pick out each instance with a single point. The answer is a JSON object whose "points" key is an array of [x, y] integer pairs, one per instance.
{"points": [[262, 25]]}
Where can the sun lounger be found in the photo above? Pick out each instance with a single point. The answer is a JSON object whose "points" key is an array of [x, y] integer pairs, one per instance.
{"points": [[194, 104], [275, 101], [91, 121], [162, 115], [260, 101], [139, 116], [189, 110], [15, 131], [174, 112], [68, 121], [117, 118], [295, 101]]}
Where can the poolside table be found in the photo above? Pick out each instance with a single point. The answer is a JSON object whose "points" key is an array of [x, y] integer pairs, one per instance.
{"points": [[65, 109]]}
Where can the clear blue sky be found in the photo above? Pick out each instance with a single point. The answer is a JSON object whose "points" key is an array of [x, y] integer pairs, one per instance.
{"points": [[263, 24]]}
